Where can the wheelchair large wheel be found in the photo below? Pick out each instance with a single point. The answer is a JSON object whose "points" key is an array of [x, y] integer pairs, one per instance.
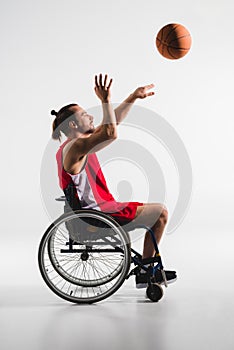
{"points": [[84, 256], [87, 231]]}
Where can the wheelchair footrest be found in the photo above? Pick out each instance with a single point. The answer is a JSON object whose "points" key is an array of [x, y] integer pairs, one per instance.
{"points": [[137, 270]]}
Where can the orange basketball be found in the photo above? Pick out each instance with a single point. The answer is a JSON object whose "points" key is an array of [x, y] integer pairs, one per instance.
{"points": [[173, 41]]}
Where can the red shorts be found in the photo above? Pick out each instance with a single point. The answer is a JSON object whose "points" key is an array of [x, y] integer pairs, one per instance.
{"points": [[127, 214]]}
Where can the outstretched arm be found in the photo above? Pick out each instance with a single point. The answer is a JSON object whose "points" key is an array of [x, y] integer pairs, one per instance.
{"points": [[102, 90], [122, 110]]}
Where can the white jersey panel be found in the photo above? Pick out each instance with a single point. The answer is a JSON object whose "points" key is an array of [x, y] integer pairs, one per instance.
{"points": [[84, 191]]}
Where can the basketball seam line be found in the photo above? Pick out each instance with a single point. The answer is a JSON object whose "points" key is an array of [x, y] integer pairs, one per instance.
{"points": [[161, 36], [174, 47], [158, 44], [172, 30], [171, 53], [178, 48], [183, 36]]}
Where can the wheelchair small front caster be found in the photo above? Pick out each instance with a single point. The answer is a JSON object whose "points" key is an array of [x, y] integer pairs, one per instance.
{"points": [[154, 292]]}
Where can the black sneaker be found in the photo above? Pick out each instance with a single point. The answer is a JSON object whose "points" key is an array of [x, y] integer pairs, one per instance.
{"points": [[170, 277], [142, 278]]}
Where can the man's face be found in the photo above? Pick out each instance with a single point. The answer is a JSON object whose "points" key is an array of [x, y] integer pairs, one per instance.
{"points": [[84, 120]]}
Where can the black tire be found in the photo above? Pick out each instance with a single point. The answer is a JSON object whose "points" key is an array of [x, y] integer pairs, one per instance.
{"points": [[74, 290], [154, 292]]}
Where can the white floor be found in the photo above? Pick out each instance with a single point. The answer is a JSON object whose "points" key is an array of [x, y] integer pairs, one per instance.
{"points": [[186, 318], [196, 312]]}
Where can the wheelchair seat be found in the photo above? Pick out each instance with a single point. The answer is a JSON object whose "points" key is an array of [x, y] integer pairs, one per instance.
{"points": [[129, 227]]}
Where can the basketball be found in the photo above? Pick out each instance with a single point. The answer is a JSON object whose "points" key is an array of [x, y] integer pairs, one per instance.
{"points": [[173, 41]]}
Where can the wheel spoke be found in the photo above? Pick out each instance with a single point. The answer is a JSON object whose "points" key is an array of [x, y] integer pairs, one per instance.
{"points": [[89, 277]]}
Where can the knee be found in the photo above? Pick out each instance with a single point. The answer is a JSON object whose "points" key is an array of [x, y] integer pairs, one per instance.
{"points": [[164, 215]]}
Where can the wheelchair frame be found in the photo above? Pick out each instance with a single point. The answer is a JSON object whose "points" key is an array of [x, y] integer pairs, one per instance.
{"points": [[61, 256]]}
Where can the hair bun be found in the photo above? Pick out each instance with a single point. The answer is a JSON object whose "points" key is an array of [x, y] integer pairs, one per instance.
{"points": [[53, 112]]}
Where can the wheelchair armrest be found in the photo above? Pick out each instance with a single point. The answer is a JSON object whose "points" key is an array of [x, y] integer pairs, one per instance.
{"points": [[61, 199]]}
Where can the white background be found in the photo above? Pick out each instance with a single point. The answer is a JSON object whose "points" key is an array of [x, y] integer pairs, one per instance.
{"points": [[50, 52]]}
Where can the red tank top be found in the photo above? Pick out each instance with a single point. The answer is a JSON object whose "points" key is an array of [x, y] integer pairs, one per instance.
{"points": [[91, 187]]}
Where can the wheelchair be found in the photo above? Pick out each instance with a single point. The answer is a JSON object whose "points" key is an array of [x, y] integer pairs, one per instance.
{"points": [[85, 256]]}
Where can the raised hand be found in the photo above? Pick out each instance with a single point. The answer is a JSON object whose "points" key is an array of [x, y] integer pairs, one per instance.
{"points": [[102, 88], [141, 92]]}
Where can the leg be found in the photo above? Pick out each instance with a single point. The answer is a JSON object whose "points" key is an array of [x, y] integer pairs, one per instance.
{"points": [[155, 216]]}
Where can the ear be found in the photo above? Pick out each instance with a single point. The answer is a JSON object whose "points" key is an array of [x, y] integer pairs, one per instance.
{"points": [[72, 125]]}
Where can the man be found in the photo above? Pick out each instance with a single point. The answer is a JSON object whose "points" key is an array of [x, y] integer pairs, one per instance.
{"points": [[78, 164]]}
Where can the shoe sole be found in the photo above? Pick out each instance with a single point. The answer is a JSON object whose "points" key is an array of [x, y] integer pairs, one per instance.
{"points": [[145, 285], [168, 281]]}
